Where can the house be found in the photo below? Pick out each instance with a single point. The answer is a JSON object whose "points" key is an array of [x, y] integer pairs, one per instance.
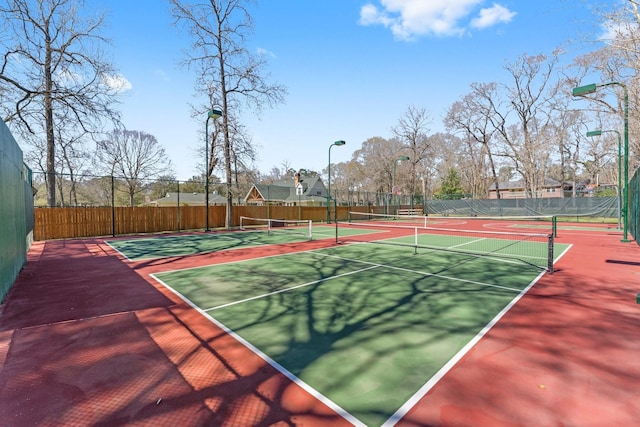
{"points": [[189, 199], [308, 191], [517, 190]]}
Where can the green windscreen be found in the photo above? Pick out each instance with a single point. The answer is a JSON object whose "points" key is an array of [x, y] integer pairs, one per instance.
{"points": [[16, 210]]}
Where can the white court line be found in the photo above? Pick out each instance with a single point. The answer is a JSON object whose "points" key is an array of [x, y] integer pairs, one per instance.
{"points": [[293, 378], [471, 252], [237, 261], [115, 249], [497, 258], [225, 236], [289, 289], [411, 402], [466, 243], [342, 412], [423, 273]]}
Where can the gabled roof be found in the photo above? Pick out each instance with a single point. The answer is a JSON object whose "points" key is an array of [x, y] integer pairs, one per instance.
{"points": [[273, 192], [285, 190]]}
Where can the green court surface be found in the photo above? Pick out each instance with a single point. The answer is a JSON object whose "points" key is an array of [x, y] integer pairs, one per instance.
{"points": [[140, 249], [366, 327]]}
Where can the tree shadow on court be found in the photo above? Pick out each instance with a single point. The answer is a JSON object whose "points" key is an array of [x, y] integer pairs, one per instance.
{"points": [[565, 352], [148, 249], [333, 341], [101, 365], [370, 345], [78, 374], [69, 283]]}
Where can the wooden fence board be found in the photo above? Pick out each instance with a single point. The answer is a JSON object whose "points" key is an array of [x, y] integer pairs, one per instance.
{"points": [[73, 222]]}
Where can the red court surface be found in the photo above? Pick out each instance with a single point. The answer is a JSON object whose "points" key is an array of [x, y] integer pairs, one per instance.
{"points": [[88, 339]]}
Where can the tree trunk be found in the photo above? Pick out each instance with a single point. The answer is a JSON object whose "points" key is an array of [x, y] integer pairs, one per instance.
{"points": [[48, 111]]}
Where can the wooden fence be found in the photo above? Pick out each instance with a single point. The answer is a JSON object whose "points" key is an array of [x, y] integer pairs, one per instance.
{"points": [[64, 223]]}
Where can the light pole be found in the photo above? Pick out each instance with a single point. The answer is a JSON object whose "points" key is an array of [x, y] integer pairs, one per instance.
{"points": [[598, 133], [338, 143], [393, 184], [587, 89], [212, 114]]}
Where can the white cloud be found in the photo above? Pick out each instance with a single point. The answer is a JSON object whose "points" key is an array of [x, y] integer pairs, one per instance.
{"points": [[410, 19], [264, 52], [370, 15], [116, 82], [612, 31], [493, 15]]}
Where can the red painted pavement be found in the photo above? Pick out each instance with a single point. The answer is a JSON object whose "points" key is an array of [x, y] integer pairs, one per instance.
{"points": [[566, 355], [87, 339]]}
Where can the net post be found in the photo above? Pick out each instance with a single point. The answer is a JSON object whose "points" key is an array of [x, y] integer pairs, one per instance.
{"points": [[310, 230], [554, 225], [550, 254], [335, 208], [269, 227]]}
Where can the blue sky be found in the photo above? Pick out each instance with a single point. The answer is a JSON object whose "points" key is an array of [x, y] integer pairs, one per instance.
{"points": [[352, 67]]}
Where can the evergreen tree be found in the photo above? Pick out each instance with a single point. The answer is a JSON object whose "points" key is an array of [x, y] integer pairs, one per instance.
{"points": [[451, 188]]}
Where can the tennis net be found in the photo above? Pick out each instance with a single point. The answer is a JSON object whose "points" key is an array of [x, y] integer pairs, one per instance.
{"points": [[272, 226], [533, 223], [535, 249], [387, 219]]}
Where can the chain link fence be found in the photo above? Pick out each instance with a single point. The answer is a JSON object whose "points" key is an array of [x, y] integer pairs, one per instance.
{"points": [[113, 205]]}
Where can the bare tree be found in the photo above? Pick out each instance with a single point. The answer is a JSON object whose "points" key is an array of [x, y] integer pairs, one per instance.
{"points": [[72, 158], [377, 156], [72, 154], [519, 115], [243, 154], [448, 153], [227, 71], [243, 157], [472, 116], [411, 130], [618, 61], [598, 158], [134, 156], [569, 135], [53, 65]]}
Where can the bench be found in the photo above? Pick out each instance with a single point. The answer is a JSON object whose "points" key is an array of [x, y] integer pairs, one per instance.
{"points": [[411, 212]]}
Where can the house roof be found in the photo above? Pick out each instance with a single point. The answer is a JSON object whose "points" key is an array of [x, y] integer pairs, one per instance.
{"points": [[285, 190], [190, 198]]}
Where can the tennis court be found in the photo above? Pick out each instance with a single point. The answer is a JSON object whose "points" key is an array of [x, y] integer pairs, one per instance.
{"points": [[373, 329], [139, 249], [367, 327]]}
